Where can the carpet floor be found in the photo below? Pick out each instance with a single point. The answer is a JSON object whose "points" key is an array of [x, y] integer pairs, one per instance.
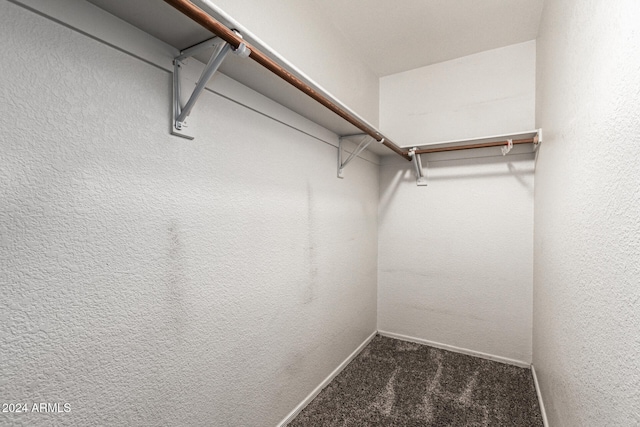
{"points": [[398, 383]]}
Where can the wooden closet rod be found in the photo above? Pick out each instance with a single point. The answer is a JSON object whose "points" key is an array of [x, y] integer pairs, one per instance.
{"points": [[470, 146], [220, 30]]}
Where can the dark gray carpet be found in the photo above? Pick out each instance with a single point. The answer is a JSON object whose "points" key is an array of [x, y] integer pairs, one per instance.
{"points": [[398, 383]]}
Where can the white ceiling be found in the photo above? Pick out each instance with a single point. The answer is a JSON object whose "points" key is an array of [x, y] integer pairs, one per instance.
{"points": [[403, 35], [390, 36]]}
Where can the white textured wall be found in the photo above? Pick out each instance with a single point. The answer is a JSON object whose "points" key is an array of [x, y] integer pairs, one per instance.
{"points": [[300, 32], [586, 342], [455, 257], [489, 93], [149, 280]]}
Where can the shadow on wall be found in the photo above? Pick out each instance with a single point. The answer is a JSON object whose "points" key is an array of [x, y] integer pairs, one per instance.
{"points": [[517, 166], [390, 185], [440, 168]]}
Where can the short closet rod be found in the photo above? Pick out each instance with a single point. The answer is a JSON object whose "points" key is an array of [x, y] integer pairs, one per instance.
{"points": [[220, 30], [470, 146]]}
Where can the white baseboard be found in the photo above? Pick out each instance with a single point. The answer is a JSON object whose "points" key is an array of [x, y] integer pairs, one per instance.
{"points": [[455, 349], [539, 393], [325, 382]]}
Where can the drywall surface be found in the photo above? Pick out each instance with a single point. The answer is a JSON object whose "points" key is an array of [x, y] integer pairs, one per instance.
{"points": [[455, 257], [151, 280], [489, 93], [586, 338], [300, 31]]}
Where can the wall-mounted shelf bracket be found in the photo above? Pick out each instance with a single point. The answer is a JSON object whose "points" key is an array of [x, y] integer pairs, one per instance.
{"points": [[421, 180], [180, 113], [537, 140], [364, 143]]}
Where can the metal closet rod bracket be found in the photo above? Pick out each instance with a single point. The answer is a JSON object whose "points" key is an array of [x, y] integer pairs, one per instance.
{"points": [[220, 51], [537, 140], [421, 180], [364, 143], [276, 64]]}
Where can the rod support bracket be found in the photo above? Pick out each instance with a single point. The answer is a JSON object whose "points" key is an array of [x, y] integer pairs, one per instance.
{"points": [[364, 143], [180, 113], [421, 180], [242, 51], [537, 140]]}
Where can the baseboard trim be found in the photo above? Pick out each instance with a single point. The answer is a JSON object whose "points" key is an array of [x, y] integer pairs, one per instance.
{"points": [[455, 349], [325, 382], [545, 421]]}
